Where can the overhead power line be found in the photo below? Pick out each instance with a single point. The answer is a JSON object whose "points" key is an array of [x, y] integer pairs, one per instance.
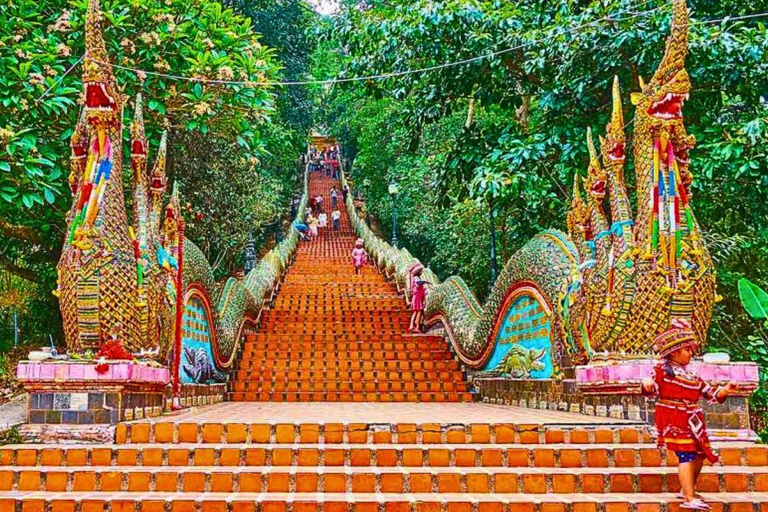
{"points": [[393, 74]]}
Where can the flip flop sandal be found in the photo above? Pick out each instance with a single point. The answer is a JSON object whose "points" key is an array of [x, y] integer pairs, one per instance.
{"points": [[682, 496], [695, 504]]}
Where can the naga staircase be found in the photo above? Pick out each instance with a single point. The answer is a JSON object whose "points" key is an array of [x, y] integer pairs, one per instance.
{"points": [[333, 336]]}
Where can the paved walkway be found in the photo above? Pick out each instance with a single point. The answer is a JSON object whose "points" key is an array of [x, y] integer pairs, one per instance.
{"points": [[373, 412]]}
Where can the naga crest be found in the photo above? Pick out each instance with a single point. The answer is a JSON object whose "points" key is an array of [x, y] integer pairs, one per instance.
{"points": [[658, 267], [102, 99]]}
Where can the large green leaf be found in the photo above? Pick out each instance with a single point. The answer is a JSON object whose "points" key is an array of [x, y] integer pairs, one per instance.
{"points": [[754, 299]]}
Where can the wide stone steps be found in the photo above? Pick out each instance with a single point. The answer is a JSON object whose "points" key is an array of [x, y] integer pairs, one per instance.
{"points": [[273, 395], [33, 501], [345, 454], [329, 479], [309, 342], [401, 377], [351, 365]]}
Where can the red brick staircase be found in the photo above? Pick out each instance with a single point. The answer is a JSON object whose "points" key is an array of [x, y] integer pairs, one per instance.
{"points": [[204, 465], [333, 336]]}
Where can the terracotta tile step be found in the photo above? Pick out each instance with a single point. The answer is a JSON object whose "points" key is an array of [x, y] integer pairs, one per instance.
{"points": [[479, 434], [374, 306], [29, 501], [384, 307], [270, 343], [330, 386], [348, 365], [404, 455], [400, 320], [308, 477], [380, 375], [354, 355], [360, 330], [315, 337], [268, 395], [291, 326]]}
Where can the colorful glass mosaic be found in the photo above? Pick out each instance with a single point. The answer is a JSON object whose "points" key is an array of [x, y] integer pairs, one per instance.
{"points": [[196, 337], [524, 340]]}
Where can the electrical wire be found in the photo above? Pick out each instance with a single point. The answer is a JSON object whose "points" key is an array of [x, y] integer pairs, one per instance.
{"points": [[394, 73]]}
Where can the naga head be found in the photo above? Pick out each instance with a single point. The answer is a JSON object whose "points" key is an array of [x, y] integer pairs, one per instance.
{"points": [[102, 99], [614, 145], [78, 158], [661, 100], [138, 137], [596, 177], [157, 179], [577, 218]]}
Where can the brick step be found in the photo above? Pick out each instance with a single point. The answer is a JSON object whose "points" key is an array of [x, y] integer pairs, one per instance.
{"points": [[269, 343], [355, 332], [169, 431], [269, 395], [308, 477], [313, 299], [290, 315], [348, 355], [382, 375], [314, 338], [383, 455], [349, 365], [31, 501], [372, 307], [399, 336], [344, 386]]}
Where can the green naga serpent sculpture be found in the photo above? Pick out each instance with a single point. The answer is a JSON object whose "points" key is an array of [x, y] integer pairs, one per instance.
{"points": [[615, 280], [121, 281]]}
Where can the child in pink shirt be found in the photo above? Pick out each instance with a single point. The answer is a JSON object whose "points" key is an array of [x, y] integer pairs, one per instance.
{"points": [[419, 296], [359, 256]]}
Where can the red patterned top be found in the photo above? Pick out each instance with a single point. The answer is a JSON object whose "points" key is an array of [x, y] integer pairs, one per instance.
{"points": [[679, 419]]}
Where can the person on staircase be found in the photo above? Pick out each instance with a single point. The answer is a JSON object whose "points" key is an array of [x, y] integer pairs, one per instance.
{"points": [[359, 256], [303, 230], [319, 202], [322, 220], [344, 193], [418, 301], [336, 219], [679, 418], [312, 223], [334, 197]]}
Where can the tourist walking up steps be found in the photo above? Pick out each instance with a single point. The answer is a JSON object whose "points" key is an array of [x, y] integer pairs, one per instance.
{"points": [[679, 419], [418, 299], [322, 220], [334, 197], [312, 223], [336, 219], [359, 256]]}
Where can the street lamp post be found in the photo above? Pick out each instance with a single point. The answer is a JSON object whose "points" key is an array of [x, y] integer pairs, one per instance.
{"points": [[393, 192]]}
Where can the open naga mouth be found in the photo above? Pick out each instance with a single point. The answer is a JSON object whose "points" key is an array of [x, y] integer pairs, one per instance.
{"points": [[616, 153], [158, 184], [681, 155], [138, 149], [669, 107], [97, 97], [598, 188]]}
